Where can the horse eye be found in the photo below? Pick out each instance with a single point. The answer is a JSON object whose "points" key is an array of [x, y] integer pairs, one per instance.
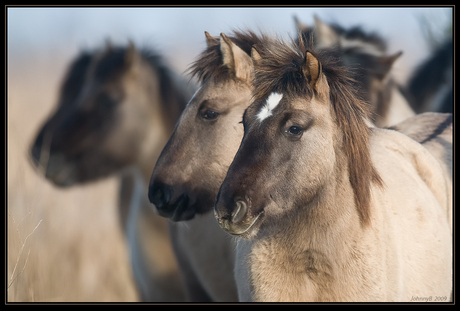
{"points": [[295, 130], [209, 115]]}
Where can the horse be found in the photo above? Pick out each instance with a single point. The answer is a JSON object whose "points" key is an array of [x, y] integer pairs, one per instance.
{"points": [[431, 83], [194, 162], [323, 206], [366, 54], [117, 107]]}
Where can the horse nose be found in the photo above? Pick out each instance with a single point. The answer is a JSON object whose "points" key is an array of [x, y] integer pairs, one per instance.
{"points": [[176, 209], [233, 214], [235, 217], [160, 195]]}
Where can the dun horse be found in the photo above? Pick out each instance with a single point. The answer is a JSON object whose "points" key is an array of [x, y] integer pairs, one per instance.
{"points": [[116, 110], [326, 208], [366, 54], [193, 164]]}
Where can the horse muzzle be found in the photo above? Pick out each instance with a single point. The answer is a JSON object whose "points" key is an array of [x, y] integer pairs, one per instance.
{"points": [[237, 220], [176, 209]]}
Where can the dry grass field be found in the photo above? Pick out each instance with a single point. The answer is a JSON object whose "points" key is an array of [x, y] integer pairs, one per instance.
{"points": [[63, 245]]}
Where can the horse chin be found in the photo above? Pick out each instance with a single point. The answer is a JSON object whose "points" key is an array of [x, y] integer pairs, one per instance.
{"points": [[246, 229]]}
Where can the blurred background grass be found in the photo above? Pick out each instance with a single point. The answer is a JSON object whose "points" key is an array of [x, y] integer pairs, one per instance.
{"points": [[67, 245]]}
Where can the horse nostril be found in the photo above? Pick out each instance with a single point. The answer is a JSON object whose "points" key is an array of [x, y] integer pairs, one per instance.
{"points": [[159, 195], [156, 197], [241, 209]]}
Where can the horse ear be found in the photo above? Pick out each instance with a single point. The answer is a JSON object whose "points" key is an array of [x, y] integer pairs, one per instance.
{"points": [[325, 35], [301, 26], [210, 40], [235, 59], [132, 56], [311, 69], [255, 56], [387, 62], [108, 45]]}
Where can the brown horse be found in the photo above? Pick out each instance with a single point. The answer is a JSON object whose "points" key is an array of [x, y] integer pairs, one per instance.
{"points": [[366, 54], [194, 162], [326, 208], [116, 110]]}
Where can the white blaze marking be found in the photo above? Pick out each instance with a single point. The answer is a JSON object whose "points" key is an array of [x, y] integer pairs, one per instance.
{"points": [[271, 103]]}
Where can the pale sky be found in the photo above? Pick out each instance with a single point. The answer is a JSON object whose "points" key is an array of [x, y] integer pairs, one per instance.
{"points": [[178, 32]]}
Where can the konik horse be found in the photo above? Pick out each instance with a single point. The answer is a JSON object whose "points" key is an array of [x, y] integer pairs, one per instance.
{"points": [[116, 110]]}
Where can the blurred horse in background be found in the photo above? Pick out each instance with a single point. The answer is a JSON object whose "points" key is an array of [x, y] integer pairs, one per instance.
{"points": [[117, 107], [365, 54], [431, 83]]}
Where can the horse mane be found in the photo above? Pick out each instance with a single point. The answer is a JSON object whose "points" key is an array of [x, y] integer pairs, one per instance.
{"points": [[280, 70], [366, 64], [112, 63], [174, 98], [209, 64], [74, 79]]}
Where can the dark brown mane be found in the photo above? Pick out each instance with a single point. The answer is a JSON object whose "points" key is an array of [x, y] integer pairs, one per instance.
{"points": [[113, 63], [174, 96], [209, 63], [280, 70], [75, 78]]}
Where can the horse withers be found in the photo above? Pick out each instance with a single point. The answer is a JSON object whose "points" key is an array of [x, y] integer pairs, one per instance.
{"points": [[117, 107]]}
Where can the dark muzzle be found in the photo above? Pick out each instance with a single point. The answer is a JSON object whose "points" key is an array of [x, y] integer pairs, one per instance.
{"points": [[162, 196]]}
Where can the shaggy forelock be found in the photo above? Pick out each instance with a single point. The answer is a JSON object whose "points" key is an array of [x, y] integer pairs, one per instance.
{"points": [[210, 65]]}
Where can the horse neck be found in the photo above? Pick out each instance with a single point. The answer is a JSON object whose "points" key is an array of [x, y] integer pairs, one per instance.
{"points": [[400, 108], [312, 250], [331, 216], [392, 106]]}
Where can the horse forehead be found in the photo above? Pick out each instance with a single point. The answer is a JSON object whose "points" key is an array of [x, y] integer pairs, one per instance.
{"points": [[266, 110], [221, 92]]}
